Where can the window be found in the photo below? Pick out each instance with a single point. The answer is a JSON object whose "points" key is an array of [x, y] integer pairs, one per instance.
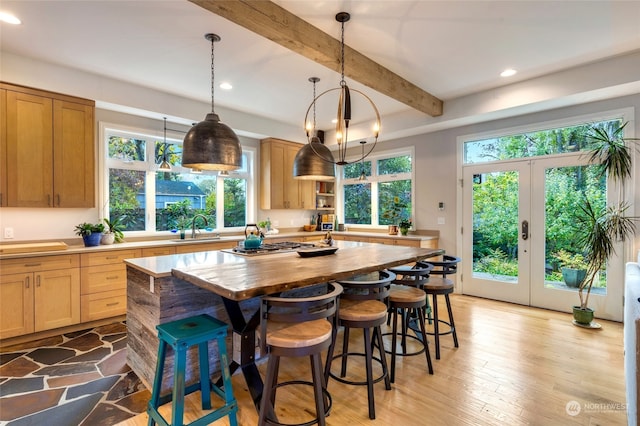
{"points": [[531, 144], [146, 199], [389, 182]]}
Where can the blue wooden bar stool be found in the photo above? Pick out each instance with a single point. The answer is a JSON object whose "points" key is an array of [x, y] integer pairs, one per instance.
{"points": [[181, 335]]}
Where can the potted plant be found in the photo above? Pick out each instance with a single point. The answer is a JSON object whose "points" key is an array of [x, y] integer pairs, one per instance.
{"points": [[597, 230], [405, 225], [112, 231], [90, 233], [573, 267]]}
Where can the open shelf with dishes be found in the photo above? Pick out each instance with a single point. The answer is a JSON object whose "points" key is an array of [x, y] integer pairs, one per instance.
{"points": [[325, 195]]}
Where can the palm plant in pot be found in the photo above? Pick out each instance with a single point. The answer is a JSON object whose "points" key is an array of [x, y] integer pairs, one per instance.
{"points": [[599, 229], [112, 231]]}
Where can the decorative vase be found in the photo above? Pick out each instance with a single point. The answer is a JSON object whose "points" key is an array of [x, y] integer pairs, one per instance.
{"points": [[92, 240], [108, 238], [404, 231], [393, 229], [582, 316]]}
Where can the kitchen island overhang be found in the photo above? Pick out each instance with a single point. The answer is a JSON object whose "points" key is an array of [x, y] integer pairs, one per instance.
{"points": [[228, 287]]}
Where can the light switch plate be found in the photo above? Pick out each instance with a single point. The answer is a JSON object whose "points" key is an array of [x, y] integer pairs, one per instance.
{"points": [[440, 220]]}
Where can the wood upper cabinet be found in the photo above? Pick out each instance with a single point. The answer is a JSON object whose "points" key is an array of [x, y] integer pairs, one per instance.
{"points": [[278, 188], [48, 150], [3, 147]]}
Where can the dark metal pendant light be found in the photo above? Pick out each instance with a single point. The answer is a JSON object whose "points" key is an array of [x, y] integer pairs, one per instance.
{"points": [[210, 144], [314, 161], [165, 166]]}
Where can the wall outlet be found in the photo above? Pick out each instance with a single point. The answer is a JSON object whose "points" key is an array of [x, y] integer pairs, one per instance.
{"points": [[8, 233], [440, 220]]}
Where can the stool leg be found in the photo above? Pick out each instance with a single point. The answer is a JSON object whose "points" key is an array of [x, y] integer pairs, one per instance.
{"points": [[330, 351], [180, 363], [423, 331], [345, 348], [318, 386], [453, 327], [229, 398], [436, 328], [393, 344], [205, 380], [428, 311], [404, 322], [383, 358], [268, 392], [157, 381], [369, 368]]}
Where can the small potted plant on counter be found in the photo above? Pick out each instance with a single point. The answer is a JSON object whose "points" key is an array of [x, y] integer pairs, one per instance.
{"points": [[90, 233], [112, 231], [405, 225]]}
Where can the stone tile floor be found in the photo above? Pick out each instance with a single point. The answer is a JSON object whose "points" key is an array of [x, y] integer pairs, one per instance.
{"points": [[76, 379]]}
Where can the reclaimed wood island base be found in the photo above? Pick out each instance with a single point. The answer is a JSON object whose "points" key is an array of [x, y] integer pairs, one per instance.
{"points": [[228, 287]]}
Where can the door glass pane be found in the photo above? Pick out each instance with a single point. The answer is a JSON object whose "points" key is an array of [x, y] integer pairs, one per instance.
{"points": [[126, 198], [566, 189], [357, 204], [495, 226]]}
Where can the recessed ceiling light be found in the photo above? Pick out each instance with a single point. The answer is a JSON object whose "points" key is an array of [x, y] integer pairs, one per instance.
{"points": [[226, 86], [508, 72], [9, 18]]}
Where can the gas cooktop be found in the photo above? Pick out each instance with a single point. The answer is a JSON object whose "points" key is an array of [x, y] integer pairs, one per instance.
{"points": [[268, 248]]}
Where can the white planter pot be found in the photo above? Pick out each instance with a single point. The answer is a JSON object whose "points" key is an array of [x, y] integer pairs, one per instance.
{"points": [[108, 238]]}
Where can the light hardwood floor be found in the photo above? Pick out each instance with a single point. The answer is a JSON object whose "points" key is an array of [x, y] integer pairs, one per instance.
{"points": [[515, 365]]}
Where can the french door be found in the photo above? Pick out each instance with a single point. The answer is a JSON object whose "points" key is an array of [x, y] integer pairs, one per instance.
{"points": [[509, 222]]}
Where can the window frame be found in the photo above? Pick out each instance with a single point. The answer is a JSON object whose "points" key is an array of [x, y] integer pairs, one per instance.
{"points": [[150, 168], [375, 179]]}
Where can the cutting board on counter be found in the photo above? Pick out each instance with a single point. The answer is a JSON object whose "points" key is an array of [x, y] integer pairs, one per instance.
{"points": [[31, 247]]}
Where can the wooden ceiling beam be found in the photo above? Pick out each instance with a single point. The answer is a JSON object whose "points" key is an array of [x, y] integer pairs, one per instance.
{"points": [[271, 21]]}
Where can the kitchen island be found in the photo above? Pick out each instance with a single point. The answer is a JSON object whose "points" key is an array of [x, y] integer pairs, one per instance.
{"points": [[228, 286]]}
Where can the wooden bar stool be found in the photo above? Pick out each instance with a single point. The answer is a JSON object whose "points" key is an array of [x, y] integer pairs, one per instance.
{"points": [[181, 335], [407, 297], [295, 327], [363, 304], [448, 266]]}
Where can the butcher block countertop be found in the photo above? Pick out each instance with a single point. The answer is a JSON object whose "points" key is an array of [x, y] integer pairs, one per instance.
{"points": [[242, 277]]}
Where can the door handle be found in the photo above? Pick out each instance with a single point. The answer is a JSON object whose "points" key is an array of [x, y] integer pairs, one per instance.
{"points": [[525, 230]]}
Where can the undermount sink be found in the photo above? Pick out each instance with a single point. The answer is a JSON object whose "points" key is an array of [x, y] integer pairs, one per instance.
{"points": [[195, 240]]}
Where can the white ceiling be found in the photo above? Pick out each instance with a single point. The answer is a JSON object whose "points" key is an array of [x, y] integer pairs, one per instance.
{"points": [[450, 49]]}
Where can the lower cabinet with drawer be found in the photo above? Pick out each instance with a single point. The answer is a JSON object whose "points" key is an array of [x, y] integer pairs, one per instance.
{"points": [[38, 294], [104, 284]]}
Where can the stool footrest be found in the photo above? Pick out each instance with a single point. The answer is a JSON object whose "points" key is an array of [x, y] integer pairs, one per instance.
{"points": [[349, 382]]}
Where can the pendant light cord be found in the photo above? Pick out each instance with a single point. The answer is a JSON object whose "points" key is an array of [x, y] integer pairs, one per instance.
{"points": [[342, 82], [213, 74]]}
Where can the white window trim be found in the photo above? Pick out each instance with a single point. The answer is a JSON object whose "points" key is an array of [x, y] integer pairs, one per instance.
{"points": [[374, 156], [104, 164]]}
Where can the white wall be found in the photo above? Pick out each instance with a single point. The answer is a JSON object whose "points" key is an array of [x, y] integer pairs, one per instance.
{"points": [[435, 152]]}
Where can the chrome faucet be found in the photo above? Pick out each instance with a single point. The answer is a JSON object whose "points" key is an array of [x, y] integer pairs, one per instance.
{"points": [[193, 224]]}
